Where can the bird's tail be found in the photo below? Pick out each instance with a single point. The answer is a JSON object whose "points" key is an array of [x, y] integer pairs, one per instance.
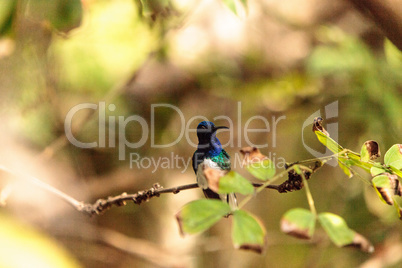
{"points": [[211, 194], [232, 200]]}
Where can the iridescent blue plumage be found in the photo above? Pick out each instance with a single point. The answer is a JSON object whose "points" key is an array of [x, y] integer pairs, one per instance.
{"points": [[210, 148]]}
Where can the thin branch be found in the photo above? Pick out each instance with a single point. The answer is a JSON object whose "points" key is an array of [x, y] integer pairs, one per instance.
{"points": [[138, 198], [104, 204], [44, 186], [101, 204], [142, 196], [265, 185], [308, 192]]}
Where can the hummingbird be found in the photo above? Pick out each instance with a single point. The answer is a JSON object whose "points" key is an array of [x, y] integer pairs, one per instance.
{"points": [[210, 154]]}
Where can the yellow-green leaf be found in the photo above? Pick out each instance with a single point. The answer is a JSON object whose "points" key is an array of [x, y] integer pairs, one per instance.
{"points": [[339, 232], [328, 142], [387, 186], [336, 228], [262, 170], [393, 157], [199, 215], [248, 232], [298, 222], [233, 182], [398, 206], [345, 169]]}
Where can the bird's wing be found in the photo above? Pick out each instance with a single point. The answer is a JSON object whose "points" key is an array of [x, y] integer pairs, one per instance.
{"points": [[207, 163], [203, 183], [223, 160], [197, 159]]}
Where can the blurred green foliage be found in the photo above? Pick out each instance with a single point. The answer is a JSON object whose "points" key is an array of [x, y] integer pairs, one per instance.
{"points": [[56, 54], [21, 246]]}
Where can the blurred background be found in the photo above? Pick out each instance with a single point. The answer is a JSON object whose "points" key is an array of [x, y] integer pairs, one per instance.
{"points": [[210, 58]]}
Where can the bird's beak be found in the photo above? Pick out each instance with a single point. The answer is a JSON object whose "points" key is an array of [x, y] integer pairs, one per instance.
{"points": [[216, 128]]}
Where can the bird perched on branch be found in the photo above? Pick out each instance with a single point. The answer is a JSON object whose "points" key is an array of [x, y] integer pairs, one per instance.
{"points": [[210, 154]]}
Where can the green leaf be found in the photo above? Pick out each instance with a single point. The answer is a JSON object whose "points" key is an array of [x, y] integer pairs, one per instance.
{"points": [[199, 215], [328, 142], [262, 170], [354, 160], [23, 246], [341, 235], [248, 232], [387, 186], [364, 154], [396, 171], [298, 222], [375, 170], [381, 181], [393, 157], [336, 228], [398, 206], [345, 169], [233, 182]]}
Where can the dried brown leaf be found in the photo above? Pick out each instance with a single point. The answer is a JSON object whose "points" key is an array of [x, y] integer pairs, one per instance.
{"points": [[317, 126], [292, 229], [373, 149], [252, 155], [253, 247], [395, 188], [362, 243]]}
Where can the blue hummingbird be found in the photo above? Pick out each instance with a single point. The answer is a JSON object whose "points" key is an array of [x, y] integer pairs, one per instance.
{"points": [[210, 153]]}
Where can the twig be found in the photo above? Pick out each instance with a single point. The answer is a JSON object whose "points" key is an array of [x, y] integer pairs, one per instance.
{"points": [[308, 193], [138, 198], [142, 196], [274, 187], [31, 179], [104, 204]]}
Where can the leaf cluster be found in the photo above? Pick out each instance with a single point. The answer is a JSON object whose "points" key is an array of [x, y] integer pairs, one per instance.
{"points": [[248, 232]]}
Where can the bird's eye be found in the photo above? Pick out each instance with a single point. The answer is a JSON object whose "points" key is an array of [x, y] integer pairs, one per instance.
{"points": [[203, 127]]}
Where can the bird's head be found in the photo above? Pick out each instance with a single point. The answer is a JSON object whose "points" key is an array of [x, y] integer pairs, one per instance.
{"points": [[206, 133]]}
